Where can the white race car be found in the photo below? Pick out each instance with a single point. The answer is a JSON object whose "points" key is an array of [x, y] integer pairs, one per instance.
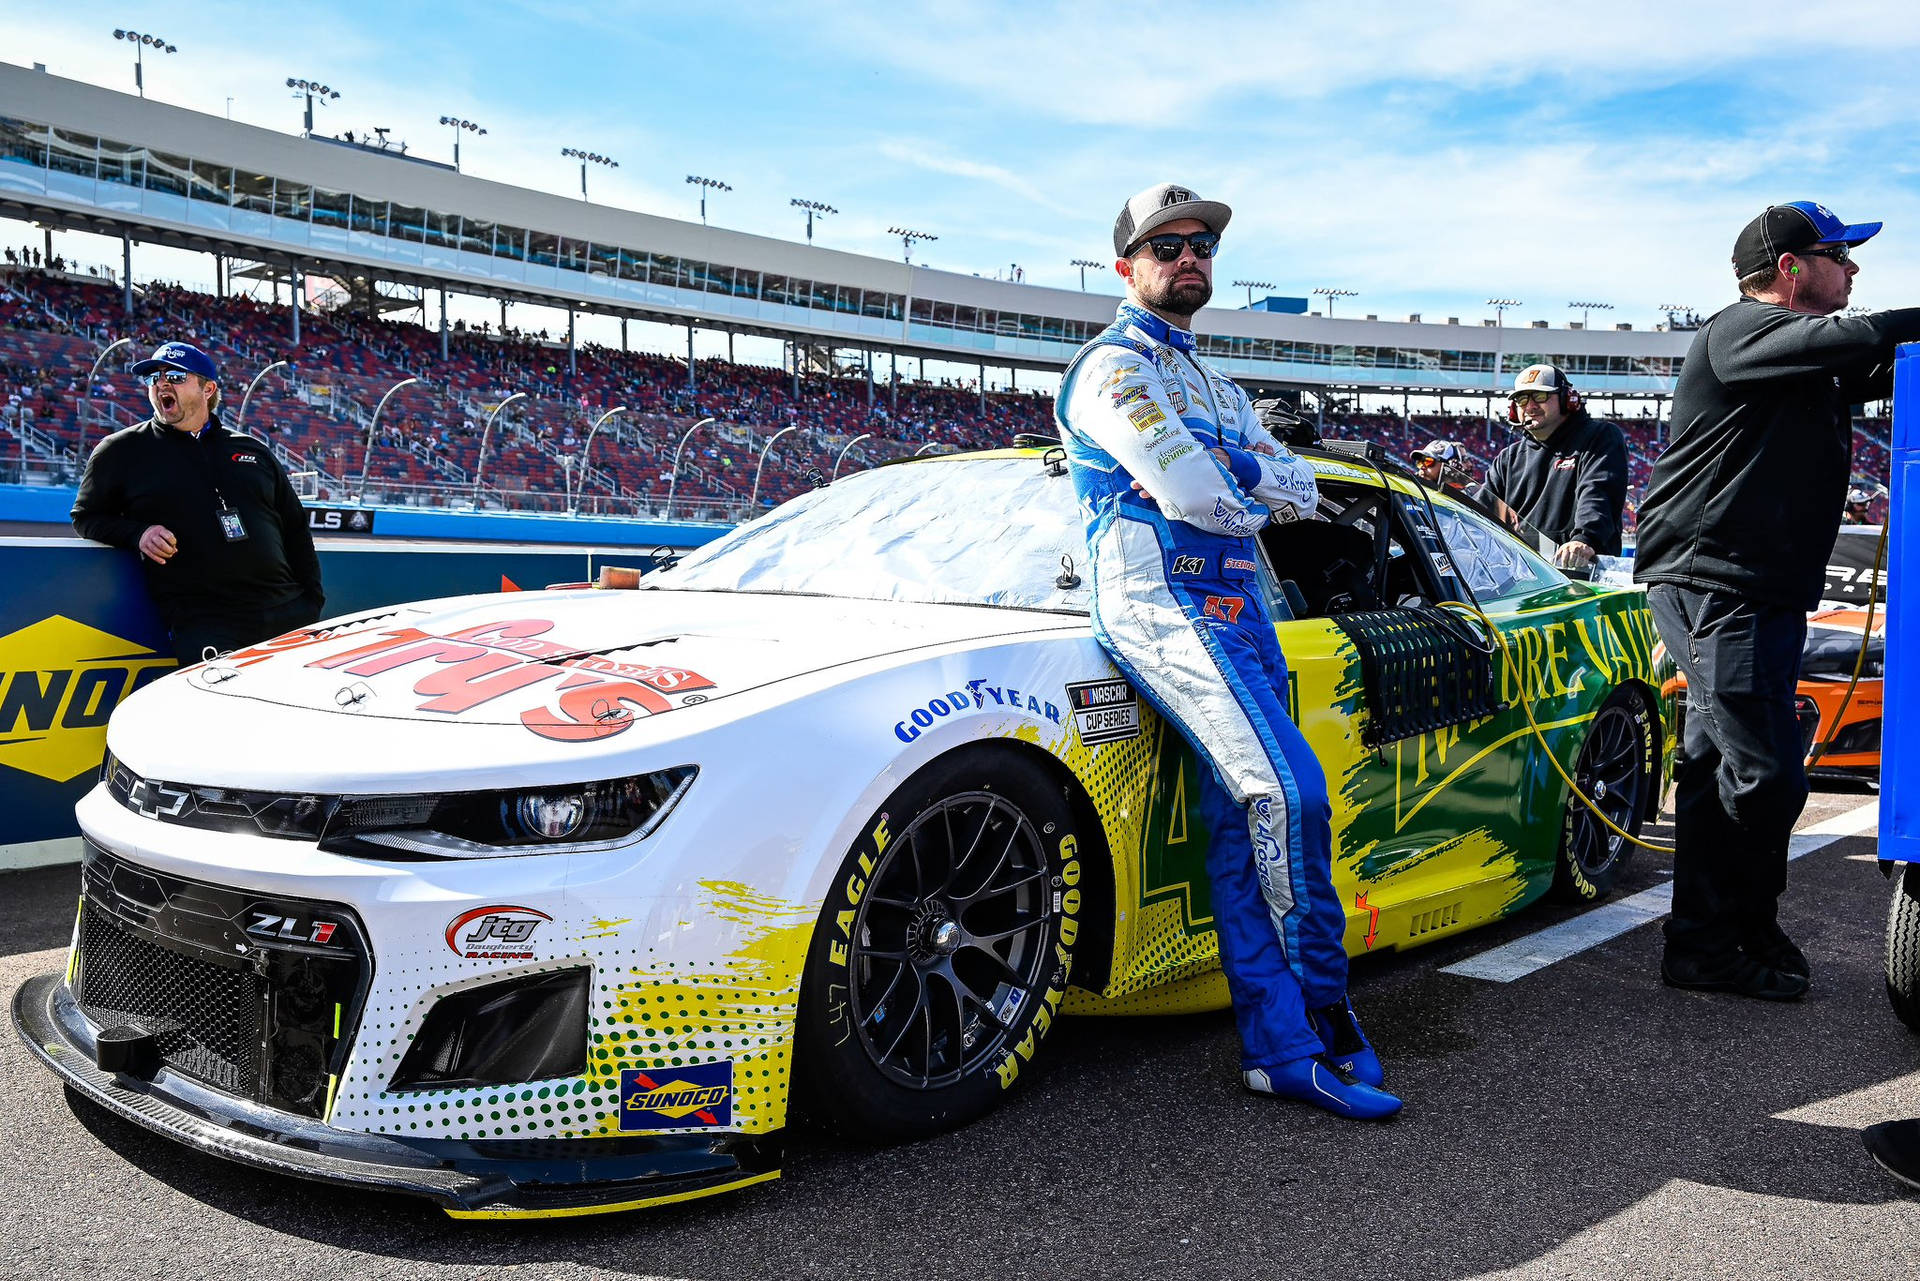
{"points": [[555, 902]]}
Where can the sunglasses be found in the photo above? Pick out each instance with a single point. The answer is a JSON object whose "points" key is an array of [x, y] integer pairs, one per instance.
{"points": [[1533, 397], [1167, 248], [174, 377], [1838, 253]]}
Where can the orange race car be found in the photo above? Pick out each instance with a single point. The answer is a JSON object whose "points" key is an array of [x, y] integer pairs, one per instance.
{"points": [[1851, 736]]}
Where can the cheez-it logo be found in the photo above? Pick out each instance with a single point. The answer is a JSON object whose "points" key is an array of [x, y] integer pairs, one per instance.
{"points": [[594, 698], [59, 681]]}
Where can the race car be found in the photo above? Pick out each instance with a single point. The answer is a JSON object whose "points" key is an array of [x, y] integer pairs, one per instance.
{"points": [[1840, 718], [560, 902]]}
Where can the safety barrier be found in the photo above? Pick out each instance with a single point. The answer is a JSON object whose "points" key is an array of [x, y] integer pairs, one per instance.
{"points": [[78, 635]]}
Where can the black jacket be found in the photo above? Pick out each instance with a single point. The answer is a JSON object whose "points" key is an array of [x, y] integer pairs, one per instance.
{"points": [[1573, 487], [153, 474], [1747, 497]]}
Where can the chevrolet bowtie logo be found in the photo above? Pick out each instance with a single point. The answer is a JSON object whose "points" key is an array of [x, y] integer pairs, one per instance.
{"points": [[153, 799]]}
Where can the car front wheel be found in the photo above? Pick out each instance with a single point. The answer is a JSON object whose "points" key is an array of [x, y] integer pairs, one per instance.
{"points": [[943, 950]]}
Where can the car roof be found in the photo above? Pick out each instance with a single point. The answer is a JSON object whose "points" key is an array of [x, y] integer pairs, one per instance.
{"points": [[1372, 467]]}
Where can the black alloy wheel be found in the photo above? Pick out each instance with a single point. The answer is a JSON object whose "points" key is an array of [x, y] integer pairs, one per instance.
{"points": [[1616, 770], [942, 952]]}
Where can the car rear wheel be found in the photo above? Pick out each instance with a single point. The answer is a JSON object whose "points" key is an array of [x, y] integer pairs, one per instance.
{"points": [[1903, 946], [942, 952], [1616, 769]]}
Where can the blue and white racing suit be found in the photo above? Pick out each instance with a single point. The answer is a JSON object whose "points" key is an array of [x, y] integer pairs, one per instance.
{"points": [[1177, 604]]}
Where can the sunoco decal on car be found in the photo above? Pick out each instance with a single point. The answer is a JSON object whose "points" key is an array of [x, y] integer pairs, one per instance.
{"points": [[497, 933], [1105, 711], [700, 1094]]}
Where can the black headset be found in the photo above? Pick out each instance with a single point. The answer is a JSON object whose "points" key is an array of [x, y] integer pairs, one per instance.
{"points": [[1569, 396]]}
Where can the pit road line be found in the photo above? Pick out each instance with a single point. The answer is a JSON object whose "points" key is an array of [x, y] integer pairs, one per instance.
{"points": [[1536, 951]]}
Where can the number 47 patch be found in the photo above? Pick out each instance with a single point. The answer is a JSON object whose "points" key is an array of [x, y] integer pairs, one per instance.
{"points": [[1226, 608]]}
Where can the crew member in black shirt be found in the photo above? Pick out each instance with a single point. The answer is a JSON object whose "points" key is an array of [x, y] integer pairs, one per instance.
{"points": [[1567, 475], [1742, 510], [221, 536]]}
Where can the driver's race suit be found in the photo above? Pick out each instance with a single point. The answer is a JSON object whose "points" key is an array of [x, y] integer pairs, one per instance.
{"points": [[1177, 604]]}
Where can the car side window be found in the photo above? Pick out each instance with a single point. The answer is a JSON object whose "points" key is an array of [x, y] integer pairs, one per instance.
{"points": [[1488, 559]]}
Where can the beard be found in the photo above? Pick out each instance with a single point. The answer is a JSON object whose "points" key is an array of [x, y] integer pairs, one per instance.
{"points": [[1179, 297]]}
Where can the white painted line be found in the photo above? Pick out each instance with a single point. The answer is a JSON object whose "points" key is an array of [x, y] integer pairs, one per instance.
{"points": [[26, 854], [1536, 951]]}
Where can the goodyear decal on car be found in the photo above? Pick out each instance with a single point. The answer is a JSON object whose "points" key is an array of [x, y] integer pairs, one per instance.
{"points": [[979, 694], [699, 1094], [59, 681]]}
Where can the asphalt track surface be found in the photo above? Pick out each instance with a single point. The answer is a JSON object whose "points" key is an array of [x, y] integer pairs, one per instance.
{"points": [[1583, 1121]]}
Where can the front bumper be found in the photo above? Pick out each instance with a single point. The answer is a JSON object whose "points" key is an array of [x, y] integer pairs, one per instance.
{"points": [[468, 1179]]}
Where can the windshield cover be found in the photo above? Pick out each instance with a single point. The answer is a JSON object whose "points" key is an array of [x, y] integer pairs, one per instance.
{"points": [[977, 531]]}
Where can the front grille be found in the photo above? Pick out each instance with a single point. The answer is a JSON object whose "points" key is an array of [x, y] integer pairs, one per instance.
{"points": [[259, 997], [206, 1018]]}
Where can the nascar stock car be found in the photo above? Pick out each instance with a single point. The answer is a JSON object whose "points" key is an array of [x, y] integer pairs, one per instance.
{"points": [[563, 901]]}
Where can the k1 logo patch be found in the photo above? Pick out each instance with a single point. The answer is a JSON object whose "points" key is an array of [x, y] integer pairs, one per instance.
{"points": [[1189, 565], [699, 1096]]}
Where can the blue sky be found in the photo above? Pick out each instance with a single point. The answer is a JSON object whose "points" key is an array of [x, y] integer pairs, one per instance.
{"points": [[1429, 157]]}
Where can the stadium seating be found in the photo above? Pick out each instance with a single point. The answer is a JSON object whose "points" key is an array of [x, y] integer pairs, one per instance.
{"points": [[316, 412]]}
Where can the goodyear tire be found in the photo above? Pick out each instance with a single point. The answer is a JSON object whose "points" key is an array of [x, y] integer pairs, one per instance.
{"points": [[942, 952], [1618, 762], [1903, 946]]}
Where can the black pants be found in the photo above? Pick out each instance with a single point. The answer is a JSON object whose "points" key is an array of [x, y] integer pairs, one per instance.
{"points": [[235, 629], [1744, 781]]}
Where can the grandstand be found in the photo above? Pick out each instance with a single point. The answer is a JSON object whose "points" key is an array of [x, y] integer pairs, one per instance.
{"points": [[80, 157]]}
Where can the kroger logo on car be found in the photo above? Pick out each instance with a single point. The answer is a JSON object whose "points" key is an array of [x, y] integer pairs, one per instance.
{"points": [[977, 694]]}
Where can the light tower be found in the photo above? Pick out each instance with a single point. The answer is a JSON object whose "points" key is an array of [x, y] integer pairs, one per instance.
{"points": [[1251, 285], [811, 206], [141, 43], [457, 124], [909, 238], [585, 158], [706, 185], [1331, 294], [311, 89]]}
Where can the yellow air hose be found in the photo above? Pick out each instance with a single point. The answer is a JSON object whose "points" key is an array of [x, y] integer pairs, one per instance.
{"points": [[1506, 653]]}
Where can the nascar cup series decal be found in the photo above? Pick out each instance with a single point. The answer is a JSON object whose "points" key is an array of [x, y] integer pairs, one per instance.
{"points": [[1105, 711], [699, 1095], [596, 696]]}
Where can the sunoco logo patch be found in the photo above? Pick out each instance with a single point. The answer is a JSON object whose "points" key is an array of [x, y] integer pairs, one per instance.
{"points": [[700, 1095], [1105, 711]]}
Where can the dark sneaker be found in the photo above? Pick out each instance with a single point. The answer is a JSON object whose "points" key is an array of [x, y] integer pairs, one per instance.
{"points": [[1734, 972], [1895, 1145], [1770, 946]]}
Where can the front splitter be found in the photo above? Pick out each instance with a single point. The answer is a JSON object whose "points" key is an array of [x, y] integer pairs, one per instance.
{"points": [[481, 1179]]}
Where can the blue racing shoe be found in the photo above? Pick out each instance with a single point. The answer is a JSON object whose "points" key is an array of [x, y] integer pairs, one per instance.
{"points": [[1311, 1080], [1347, 1046]]}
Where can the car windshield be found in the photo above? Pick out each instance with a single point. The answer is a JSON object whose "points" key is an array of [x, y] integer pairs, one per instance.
{"points": [[976, 531]]}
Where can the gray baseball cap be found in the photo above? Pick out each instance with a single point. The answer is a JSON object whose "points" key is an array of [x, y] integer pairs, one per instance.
{"points": [[1159, 205]]}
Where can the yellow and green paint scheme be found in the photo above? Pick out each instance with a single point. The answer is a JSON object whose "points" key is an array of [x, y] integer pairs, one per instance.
{"points": [[1432, 834]]}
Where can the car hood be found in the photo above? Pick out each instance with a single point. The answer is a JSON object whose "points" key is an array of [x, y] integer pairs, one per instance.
{"points": [[581, 665]]}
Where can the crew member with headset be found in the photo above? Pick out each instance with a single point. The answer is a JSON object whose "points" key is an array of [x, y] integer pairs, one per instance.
{"points": [[221, 536], [1175, 475], [1735, 531], [1567, 474]]}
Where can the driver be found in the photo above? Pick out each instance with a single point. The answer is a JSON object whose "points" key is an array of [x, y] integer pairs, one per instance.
{"points": [[1859, 507], [1175, 475]]}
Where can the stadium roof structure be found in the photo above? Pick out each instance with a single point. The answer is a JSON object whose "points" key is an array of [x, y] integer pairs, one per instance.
{"points": [[80, 157]]}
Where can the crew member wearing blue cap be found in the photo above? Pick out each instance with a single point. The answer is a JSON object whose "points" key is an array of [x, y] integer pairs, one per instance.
{"points": [[1742, 510], [221, 536]]}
